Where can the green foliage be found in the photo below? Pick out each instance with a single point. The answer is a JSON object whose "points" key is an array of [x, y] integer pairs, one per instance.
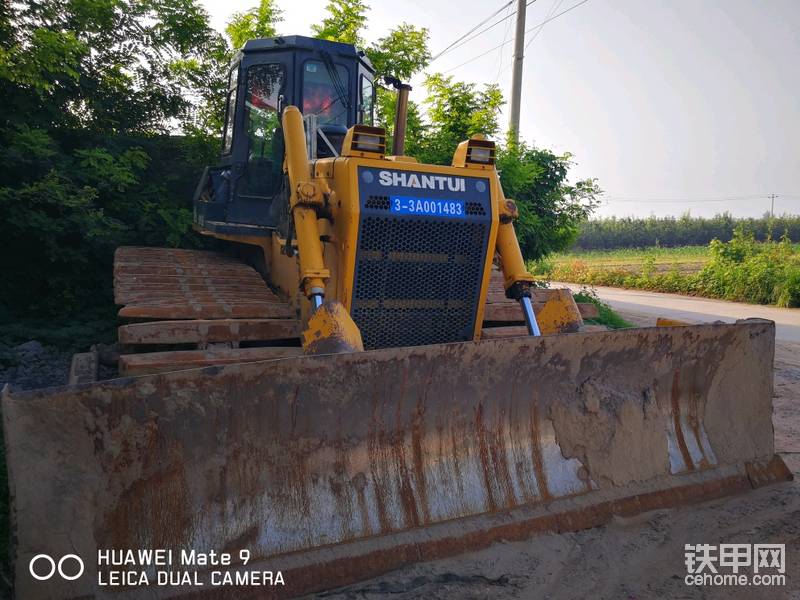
{"points": [[125, 83], [345, 20], [630, 232], [402, 53], [606, 315], [74, 205], [746, 270], [550, 208], [258, 22], [47, 56], [456, 111], [742, 269], [90, 87]]}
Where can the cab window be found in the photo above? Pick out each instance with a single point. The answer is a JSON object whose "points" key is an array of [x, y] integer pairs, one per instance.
{"points": [[227, 136], [366, 107], [265, 146], [325, 92]]}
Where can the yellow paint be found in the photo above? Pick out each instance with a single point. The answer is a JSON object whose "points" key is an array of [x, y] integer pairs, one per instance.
{"points": [[305, 197], [325, 207], [460, 157], [363, 136], [331, 330], [559, 314], [664, 322]]}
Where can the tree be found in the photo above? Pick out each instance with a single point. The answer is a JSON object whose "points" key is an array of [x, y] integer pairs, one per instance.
{"points": [[402, 53], [91, 88], [258, 22], [344, 22], [456, 111], [550, 209], [105, 64]]}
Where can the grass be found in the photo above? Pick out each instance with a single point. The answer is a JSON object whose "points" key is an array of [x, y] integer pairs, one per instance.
{"points": [[607, 316], [686, 259]]}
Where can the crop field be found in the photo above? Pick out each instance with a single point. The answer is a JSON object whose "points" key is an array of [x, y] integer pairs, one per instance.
{"points": [[686, 259], [742, 269]]}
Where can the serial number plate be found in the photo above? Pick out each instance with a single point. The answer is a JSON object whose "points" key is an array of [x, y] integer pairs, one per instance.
{"points": [[406, 205]]}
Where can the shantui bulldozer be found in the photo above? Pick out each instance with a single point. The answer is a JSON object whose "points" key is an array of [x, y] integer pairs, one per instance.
{"points": [[363, 374]]}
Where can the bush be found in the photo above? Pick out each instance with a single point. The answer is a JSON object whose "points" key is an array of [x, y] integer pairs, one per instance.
{"points": [[67, 200], [550, 209], [742, 269]]}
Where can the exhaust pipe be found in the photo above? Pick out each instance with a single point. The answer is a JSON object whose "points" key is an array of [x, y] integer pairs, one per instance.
{"points": [[400, 115]]}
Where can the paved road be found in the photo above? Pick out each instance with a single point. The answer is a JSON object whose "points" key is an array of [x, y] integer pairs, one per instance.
{"points": [[689, 308]]}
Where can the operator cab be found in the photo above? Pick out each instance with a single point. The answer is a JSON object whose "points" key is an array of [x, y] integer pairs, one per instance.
{"points": [[331, 82]]}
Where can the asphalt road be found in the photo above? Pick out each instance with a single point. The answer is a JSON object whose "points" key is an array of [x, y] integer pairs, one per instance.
{"points": [[691, 309]]}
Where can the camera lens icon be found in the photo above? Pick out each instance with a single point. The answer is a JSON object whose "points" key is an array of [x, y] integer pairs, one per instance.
{"points": [[43, 567]]}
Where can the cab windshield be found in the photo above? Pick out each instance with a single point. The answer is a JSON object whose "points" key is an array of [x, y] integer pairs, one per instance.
{"points": [[325, 92]]}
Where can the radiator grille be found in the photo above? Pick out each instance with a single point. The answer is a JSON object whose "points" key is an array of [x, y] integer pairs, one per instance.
{"points": [[417, 280]]}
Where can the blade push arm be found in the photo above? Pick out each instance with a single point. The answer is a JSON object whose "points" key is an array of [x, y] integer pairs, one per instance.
{"points": [[305, 199], [330, 328], [516, 278]]}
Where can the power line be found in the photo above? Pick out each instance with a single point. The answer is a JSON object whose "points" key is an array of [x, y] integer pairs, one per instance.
{"points": [[482, 54], [455, 45], [553, 9], [497, 12], [500, 58]]}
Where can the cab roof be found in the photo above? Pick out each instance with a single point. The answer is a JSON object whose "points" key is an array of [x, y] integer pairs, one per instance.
{"points": [[287, 42]]}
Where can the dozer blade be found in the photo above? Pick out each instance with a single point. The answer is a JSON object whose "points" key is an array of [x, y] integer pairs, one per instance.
{"points": [[336, 468]]}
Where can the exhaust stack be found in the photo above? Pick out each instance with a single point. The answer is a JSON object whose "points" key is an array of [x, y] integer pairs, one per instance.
{"points": [[400, 115]]}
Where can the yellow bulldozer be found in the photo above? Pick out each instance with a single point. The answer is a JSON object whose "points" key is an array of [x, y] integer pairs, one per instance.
{"points": [[363, 374]]}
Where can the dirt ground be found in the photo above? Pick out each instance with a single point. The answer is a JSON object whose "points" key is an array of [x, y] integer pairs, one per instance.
{"points": [[630, 559]]}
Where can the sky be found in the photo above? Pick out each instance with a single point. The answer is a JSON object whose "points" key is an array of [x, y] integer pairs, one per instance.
{"points": [[672, 105]]}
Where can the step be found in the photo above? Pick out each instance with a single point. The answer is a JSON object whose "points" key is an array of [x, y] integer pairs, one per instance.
{"points": [[205, 331]]}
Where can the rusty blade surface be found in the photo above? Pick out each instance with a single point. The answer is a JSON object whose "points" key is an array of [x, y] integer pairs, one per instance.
{"points": [[346, 464]]}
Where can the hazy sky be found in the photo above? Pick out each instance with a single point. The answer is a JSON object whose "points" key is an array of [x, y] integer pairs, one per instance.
{"points": [[660, 100]]}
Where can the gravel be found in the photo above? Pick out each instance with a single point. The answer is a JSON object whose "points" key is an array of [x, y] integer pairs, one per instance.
{"points": [[31, 365]]}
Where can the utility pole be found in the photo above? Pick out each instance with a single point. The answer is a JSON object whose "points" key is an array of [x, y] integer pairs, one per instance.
{"points": [[772, 207], [516, 78]]}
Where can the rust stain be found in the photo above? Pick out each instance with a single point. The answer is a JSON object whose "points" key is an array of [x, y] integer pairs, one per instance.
{"points": [[376, 448], [247, 539], [676, 416], [694, 423], [339, 571], [405, 488], [483, 452], [417, 438], [536, 453], [158, 507], [359, 484], [340, 488], [456, 453], [497, 448]]}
